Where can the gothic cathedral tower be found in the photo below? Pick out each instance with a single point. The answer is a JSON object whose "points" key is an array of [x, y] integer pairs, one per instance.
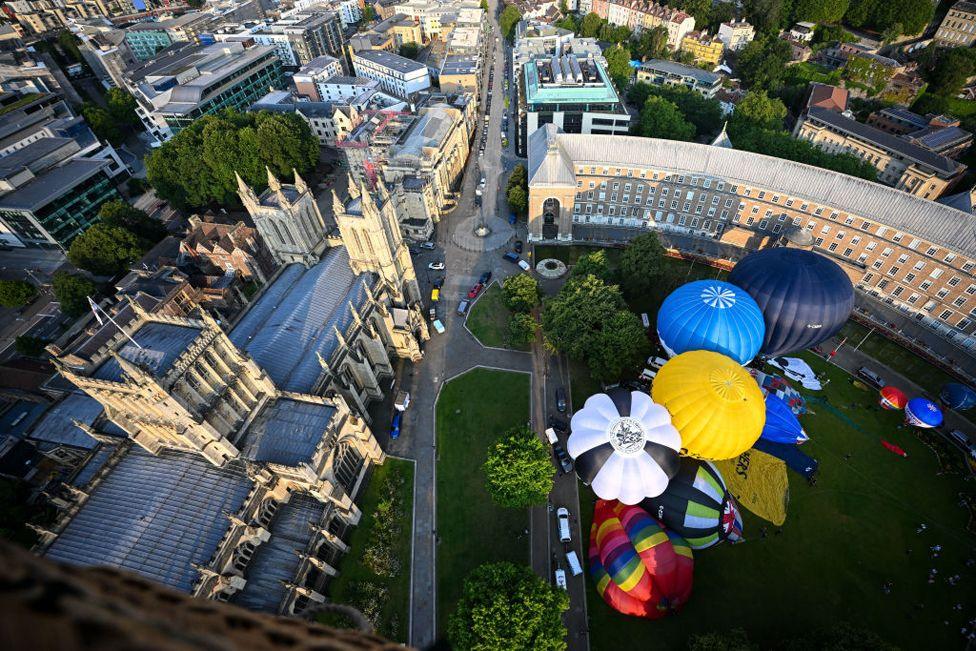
{"points": [[288, 219]]}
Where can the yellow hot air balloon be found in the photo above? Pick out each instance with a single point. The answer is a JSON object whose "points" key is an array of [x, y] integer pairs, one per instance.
{"points": [[714, 403]]}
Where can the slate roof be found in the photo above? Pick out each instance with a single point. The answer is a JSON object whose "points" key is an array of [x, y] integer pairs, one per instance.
{"points": [[287, 432], [162, 344], [56, 425], [155, 515], [93, 465], [294, 318]]}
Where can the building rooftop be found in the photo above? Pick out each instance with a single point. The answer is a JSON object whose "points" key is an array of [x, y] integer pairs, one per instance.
{"points": [[552, 156], [674, 68], [318, 65], [287, 432], [156, 516], [34, 155], [460, 64], [160, 345], [969, 7], [94, 463], [52, 184], [57, 425], [890, 142], [567, 79], [427, 133], [295, 319], [390, 60]]}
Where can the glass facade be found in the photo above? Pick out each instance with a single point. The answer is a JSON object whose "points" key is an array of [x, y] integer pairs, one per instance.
{"points": [[145, 43]]}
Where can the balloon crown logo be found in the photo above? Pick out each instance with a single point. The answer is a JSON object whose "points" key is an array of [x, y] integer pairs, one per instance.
{"points": [[627, 436], [718, 297]]}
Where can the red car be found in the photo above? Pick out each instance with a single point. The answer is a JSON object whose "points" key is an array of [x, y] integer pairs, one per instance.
{"points": [[475, 291]]}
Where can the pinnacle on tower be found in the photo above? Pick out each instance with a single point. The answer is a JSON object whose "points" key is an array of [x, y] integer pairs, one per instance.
{"points": [[273, 184], [299, 182], [244, 191], [351, 184], [337, 207]]}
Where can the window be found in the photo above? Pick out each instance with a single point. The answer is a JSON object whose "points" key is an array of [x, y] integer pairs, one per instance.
{"points": [[963, 322], [936, 274], [763, 224], [909, 277], [892, 271], [789, 203], [942, 293], [950, 257], [855, 240], [832, 247], [932, 251], [848, 252], [903, 258], [818, 241], [898, 236], [971, 290], [959, 302], [616, 186], [674, 205], [897, 291], [954, 281], [886, 251], [861, 258], [715, 200], [945, 315], [871, 246], [866, 225], [968, 266], [755, 210], [825, 229], [914, 243], [881, 230], [925, 285], [687, 207], [877, 264], [913, 298]]}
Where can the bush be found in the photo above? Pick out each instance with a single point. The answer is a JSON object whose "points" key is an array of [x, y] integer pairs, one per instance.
{"points": [[16, 293], [521, 293], [72, 292], [521, 329], [380, 555], [518, 470]]}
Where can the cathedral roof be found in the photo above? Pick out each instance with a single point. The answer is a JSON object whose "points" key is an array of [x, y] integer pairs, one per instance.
{"points": [[155, 515], [287, 432], [296, 317], [160, 345]]}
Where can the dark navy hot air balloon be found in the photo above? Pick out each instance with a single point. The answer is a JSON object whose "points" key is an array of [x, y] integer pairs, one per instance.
{"points": [[782, 426], [957, 396], [922, 412], [805, 298], [711, 315]]}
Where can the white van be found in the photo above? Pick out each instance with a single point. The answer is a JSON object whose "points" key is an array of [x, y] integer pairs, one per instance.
{"points": [[574, 564], [524, 265], [551, 435], [562, 517]]}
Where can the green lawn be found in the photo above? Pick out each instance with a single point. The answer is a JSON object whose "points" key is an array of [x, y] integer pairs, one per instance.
{"points": [[347, 588], [897, 358], [489, 317], [473, 411], [842, 540]]}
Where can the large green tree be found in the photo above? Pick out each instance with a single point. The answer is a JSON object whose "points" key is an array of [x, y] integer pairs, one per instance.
{"points": [[124, 215], [521, 329], [620, 346], [409, 50], [197, 166], [572, 318], [660, 118], [122, 107], [506, 607], [704, 113], [758, 109], [762, 63], [642, 264], [768, 16], [521, 293], [508, 20], [700, 10], [590, 25], [651, 44], [16, 293], [618, 65], [947, 70], [517, 191], [518, 470], [593, 264], [105, 250], [72, 292], [102, 123], [820, 11]]}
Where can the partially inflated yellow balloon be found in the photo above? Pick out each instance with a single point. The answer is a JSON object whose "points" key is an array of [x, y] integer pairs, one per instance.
{"points": [[714, 403]]}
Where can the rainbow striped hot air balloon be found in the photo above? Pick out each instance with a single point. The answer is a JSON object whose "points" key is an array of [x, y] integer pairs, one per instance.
{"points": [[892, 398], [639, 568]]}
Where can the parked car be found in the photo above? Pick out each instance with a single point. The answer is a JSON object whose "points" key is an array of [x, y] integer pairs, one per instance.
{"points": [[438, 326], [574, 564], [870, 377], [511, 256], [433, 313], [395, 425], [518, 243], [560, 575], [438, 283], [558, 424], [512, 218], [551, 435], [435, 295], [561, 400], [474, 291], [428, 246], [463, 307], [485, 278], [565, 463], [524, 265], [562, 518], [436, 266]]}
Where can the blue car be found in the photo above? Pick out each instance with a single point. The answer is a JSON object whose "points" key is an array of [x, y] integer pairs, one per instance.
{"points": [[511, 256], [395, 426], [511, 218]]}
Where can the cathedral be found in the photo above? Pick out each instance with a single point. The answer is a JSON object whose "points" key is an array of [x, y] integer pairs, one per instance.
{"points": [[227, 457]]}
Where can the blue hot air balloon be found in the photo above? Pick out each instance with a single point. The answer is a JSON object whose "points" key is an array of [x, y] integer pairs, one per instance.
{"points": [[922, 412], [781, 425], [804, 297], [711, 315], [957, 396]]}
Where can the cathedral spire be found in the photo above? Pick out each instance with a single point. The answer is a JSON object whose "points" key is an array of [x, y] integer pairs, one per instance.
{"points": [[273, 184], [337, 207], [353, 188], [300, 184], [244, 191]]}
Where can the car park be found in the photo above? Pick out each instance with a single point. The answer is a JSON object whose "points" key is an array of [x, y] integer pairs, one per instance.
{"points": [[474, 291], [463, 307], [562, 519], [395, 425], [485, 278], [436, 266]]}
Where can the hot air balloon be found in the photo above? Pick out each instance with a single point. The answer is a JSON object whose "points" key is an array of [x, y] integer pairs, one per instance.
{"points": [[759, 484], [922, 412], [639, 568], [624, 445], [782, 389], [957, 396], [716, 406], [805, 298], [782, 425], [893, 398], [711, 315], [697, 506]]}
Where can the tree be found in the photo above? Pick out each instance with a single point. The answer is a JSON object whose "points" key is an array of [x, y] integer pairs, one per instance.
{"points": [[882, 15], [651, 44], [518, 471], [700, 10], [105, 250], [781, 144], [820, 11], [102, 123], [620, 346], [760, 110], [521, 293], [124, 215], [722, 12], [574, 317], [615, 33], [590, 25], [197, 167], [121, 106], [72, 292], [29, 346], [768, 16], [69, 43], [16, 293], [568, 22], [618, 65], [484, 6], [660, 118], [518, 201], [762, 63], [563, 7], [369, 14], [505, 607], [409, 50], [948, 70], [508, 20], [642, 264], [521, 329], [593, 264]]}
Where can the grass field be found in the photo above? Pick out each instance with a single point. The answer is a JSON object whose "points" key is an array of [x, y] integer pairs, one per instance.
{"points": [[473, 411], [897, 358], [842, 540], [489, 317], [345, 588]]}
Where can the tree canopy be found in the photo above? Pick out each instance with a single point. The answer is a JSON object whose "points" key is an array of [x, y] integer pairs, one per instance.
{"points": [[820, 11], [651, 44], [72, 292], [521, 292], [369, 13], [508, 20], [517, 191], [124, 215], [946, 70], [409, 50], [760, 110], [660, 118], [590, 25], [768, 16], [102, 123], [16, 293], [618, 64], [518, 470], [762, 63], [197, 166], [122, 107], [521, 329], [704, 114], [593, 264], [642, 264], [506, 607], [882, 15], [105, 250]]}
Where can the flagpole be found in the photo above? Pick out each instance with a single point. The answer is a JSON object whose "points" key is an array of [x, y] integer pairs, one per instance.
{"points": [[95, 307]]}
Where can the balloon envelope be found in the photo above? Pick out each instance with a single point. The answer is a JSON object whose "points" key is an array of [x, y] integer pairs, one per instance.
{"points": [[715, 404], [957, 396], [711, 315], [922, 412], [624, 445], [804, 297], [697, 506], [893, 398], [782, 426], [638, 567], [782, 389], [758, 482]]}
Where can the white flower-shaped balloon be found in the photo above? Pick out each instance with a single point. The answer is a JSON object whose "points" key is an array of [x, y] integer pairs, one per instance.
{"points": [[624, 446]]}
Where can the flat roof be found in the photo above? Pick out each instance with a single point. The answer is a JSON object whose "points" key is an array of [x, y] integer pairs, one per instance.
{"points": [[52, 184], [160, 345], [390, 60], [571, 93], [675, 68], [287, 432]]}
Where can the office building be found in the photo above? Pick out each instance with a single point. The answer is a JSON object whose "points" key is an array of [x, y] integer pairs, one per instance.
{"points": [[146, 39], [660, 72], [397, 75], [297, 38]]}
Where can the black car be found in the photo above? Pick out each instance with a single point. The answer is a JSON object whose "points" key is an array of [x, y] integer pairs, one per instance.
{"points": [[565, 463], [518, 246], [561, 400], [558, 424], [485, 277]]}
